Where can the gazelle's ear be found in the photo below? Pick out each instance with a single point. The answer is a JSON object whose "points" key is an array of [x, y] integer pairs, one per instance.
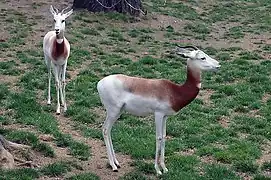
{"points": [[52, 10], [68, 13]]}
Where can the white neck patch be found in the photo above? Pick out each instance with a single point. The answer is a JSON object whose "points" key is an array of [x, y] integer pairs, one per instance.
{"points": [[59, 41], [199, 85]]}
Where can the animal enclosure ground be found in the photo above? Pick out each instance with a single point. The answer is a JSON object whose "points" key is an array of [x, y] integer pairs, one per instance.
{"points": [[224, 134]]}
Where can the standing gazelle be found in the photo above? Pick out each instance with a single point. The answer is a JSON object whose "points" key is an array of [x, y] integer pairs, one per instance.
{"points": [[140, 96], [56, 50]]}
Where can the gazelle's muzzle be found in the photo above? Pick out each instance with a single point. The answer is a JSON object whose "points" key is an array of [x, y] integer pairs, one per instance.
{"points": [[215, 68], [57, 31]]}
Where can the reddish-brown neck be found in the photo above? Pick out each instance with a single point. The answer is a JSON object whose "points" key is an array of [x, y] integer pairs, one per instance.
{"points": [[182, 95], [59, 49], [193, 77]]}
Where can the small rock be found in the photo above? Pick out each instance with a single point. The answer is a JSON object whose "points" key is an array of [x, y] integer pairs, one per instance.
{"points": [[145, 53]]}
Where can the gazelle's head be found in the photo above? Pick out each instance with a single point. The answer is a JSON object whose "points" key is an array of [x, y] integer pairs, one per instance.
{"points": [[59, 18], [198, 58]]}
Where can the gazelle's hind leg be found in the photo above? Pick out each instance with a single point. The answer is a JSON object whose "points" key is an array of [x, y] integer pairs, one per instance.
{"points": [[48, 64], [159, 138], [112, 115]]}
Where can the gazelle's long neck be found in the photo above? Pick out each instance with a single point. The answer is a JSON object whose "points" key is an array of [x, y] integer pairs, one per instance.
{"points": [[59, 47], [193, 76], [184, 94]]}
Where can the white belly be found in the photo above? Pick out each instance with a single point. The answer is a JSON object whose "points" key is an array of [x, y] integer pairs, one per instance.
{"points": [[140, 106]]}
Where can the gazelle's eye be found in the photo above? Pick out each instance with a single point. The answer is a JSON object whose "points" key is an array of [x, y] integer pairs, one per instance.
{"points": [[203, 58], [54, 20], [63, 21]]}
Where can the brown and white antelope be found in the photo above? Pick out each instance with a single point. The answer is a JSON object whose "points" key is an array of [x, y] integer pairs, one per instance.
{"points": [[56, 50], [140, 97]]}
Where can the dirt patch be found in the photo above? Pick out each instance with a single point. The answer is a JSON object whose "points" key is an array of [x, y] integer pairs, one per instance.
{"points": [[8, 79], [208, 159], [267, 173], [266, 156], [187, 152], [245, 176], [205, 95], [158, 22], [224, 121], [266, 97]]}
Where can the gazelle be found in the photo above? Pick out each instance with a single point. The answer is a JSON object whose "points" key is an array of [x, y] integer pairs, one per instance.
{"points": [[56, 50], [140, 96]]}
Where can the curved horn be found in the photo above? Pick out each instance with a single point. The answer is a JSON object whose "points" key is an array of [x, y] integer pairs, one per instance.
{"points": [[62, 12], [193, 47], [56, 10]]}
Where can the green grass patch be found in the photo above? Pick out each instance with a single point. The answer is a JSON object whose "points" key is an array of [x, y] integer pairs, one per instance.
{"points": [[9, 68], [23, 173], [245, 166], [56, 169], [235, 33], [219, 172]]}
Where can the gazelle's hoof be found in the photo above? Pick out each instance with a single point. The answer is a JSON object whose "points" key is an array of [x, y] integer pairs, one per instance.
{"points": [[165, 170], [117, 163], [159, 173], [57, 113], [114, 167]]}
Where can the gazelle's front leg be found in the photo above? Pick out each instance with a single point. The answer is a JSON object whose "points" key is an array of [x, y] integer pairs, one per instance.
{"points": [[162, 159], [57, 72], [159, 128], [63, 86], [48, 64]]}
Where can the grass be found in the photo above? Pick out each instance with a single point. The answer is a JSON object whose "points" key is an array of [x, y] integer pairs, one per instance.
{"points": [[52, 170], [239, 91], [56, 169], [9, 68]]}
